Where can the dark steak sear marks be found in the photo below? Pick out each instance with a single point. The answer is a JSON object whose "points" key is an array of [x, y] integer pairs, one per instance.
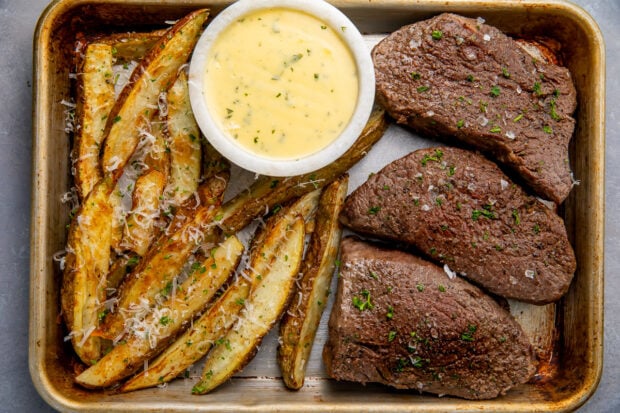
{"points": [[453, 76], [458, 208], [399, 320]]}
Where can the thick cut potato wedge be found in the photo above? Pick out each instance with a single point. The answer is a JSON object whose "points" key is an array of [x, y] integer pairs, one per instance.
{"points": [[160, 265], [156, 72], [184, 143], [86, 266], [96, 98], [132, 46], [152, 333], [301, 320], [263, 308], [216, 322], [268, 191], [140, 223], [196, 341]]}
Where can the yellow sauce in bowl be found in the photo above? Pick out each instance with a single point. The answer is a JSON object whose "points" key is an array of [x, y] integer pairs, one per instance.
{"points": [[281, 83]]}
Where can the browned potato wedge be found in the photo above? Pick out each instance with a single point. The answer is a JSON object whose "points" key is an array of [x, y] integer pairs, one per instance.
{"points": [[216, 322], [140, 224], [132, 46], [152, 333], [156, 72], [86, 266], [301, 320], [160, 265], [95, 100], [268, 191], [264, 306], [196, 341], [184, 143]]}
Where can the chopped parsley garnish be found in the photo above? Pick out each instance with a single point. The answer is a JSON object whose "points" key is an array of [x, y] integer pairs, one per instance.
{"points": [[391, 336], [460, 123], [165, 320], [416, 76], [451, 170], [515, 216], [390, 312], [373, 210], [518, 117], [477, 213], [470, 78], [441, 288], [548, 129], [468, 335], [363, 303], [420, 287], [537, 89], [495, 129], [495, 91], [505, 73], [536, 229], [436, 158], [422, 89], [437, 35]]}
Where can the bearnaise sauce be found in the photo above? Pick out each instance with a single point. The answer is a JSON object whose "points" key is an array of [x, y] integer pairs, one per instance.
{"points": [[281, 83]]}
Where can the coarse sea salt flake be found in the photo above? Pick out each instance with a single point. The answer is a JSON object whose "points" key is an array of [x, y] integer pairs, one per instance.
{"points": [[451, 274]]}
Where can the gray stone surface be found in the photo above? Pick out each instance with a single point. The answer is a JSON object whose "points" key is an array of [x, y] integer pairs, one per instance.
{"points": [[17, 22]]}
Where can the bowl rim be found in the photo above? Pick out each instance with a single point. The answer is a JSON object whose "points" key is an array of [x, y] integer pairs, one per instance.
{"points": [[246, 159]]}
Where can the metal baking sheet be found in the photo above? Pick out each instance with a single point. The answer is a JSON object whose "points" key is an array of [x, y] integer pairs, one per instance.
{"points": [[567, 335]]}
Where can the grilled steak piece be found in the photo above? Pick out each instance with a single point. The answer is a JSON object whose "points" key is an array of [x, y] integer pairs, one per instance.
{"points": [[458, 208], [399, 320], [455, 77]]}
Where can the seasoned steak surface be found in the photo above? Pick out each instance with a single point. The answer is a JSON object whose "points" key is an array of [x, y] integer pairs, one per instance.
{"points": [[400, 321], [455, 77], [458, 208]]}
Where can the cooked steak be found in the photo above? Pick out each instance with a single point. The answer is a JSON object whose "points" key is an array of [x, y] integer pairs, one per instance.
{"points": [[458, 208], [399, 320], [455, 77]]}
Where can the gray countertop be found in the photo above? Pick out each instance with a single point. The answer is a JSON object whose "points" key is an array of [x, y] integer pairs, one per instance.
{"points": [[17, 23]]}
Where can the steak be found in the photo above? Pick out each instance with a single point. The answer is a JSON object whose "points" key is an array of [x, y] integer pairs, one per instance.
{"points": [[455, 77], [459, 209], [400, 321]]}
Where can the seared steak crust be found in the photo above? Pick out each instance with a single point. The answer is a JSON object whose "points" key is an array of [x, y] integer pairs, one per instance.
{"points": [[458, 208], [453, 76], [400, 321]]}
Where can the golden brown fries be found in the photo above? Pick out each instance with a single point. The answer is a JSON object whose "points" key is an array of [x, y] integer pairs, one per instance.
{"points": [[215, 323], [301, 320], [262, 309], [86, 266], [140, 223], [96, 87], [268, 192], [184, 143], [158, 268], [150, 334], [156, 72]]}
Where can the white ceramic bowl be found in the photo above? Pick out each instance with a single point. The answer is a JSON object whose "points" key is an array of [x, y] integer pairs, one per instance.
{"points": [[267, 165]]}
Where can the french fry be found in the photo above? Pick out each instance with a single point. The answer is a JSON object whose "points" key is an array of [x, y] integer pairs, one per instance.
{"points": [[156, 72], [184, 143], [267, 192], [301, 320], [151, 334], [140, 223], [86, 266], [161, 264], [263, 308], [216, 322], [96, 98]]}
